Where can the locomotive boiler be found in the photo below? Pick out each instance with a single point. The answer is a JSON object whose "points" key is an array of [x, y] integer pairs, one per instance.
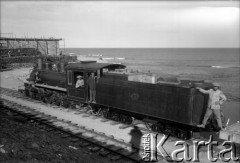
{"points": [[167, 105]]}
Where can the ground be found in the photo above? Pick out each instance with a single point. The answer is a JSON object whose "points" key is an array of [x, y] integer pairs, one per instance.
{"points": [[26, 141]]}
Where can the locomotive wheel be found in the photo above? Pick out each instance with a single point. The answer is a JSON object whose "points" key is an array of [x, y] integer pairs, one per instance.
{"points": [[104, 113], [125, 119], [115, 116], [41, 94], [160, 127], [71, 105], [58, 99], [182, 134], [154, 127], [46, 100], [148, 125], [89, 109], [168, 130], [129, 120], [58, 103], [65, 102]]}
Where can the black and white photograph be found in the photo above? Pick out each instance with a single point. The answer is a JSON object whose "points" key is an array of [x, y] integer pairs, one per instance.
{"points": [[113, 81]]}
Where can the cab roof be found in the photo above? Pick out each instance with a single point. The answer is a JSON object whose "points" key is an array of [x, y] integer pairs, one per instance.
{"points": [[93, 66]]}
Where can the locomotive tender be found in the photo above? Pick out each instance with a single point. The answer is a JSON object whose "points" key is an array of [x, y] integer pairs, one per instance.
{"points": [[175, 107]]}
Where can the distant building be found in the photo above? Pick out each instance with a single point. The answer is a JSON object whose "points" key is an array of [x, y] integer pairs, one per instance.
{"points": [[45, 46]]}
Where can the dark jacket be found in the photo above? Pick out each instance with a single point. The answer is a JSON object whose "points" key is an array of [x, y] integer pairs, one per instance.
{"points": [[92, 83]]}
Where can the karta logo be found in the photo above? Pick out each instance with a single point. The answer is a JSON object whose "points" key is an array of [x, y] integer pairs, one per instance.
{"points": [[153, 145]]}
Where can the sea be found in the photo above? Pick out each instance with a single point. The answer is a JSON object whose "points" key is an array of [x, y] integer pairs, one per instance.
{"points": [[221, 65]]}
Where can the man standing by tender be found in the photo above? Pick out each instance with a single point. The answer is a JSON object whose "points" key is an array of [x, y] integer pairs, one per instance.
{"points": [[216, 98]]}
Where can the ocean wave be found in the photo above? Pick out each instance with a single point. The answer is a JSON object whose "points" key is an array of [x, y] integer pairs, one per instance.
{"points": [[113, 58], [95, 55], [213, 66], [227, 66], [107, 58], [123, 58]]}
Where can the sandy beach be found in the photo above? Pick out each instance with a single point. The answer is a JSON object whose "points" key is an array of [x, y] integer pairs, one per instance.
{"points": [[14, 78]]}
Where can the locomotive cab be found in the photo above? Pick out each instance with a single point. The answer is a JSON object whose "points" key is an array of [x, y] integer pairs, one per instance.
{"points": [[82, 71], [77, 93]]}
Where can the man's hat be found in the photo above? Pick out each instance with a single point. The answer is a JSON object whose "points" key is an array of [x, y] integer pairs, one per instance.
{"points": [[216, 84], [79, 77]]}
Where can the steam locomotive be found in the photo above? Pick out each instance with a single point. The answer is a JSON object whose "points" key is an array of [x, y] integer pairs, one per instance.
{"points": [[165, 104]]}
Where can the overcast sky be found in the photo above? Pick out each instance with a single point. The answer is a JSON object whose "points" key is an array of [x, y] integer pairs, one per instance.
{"points": [[126, 23]]}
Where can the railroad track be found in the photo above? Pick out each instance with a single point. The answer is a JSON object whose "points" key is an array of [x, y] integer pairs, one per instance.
{"points": [[105, 145]]}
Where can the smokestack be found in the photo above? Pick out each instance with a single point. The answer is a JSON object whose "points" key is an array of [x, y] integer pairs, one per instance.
{"points": [[39, 63], [62, 67], [46, 66]]}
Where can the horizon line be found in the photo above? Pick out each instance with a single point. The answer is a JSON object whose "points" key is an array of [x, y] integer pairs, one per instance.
{"points": [[152, 47]]}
